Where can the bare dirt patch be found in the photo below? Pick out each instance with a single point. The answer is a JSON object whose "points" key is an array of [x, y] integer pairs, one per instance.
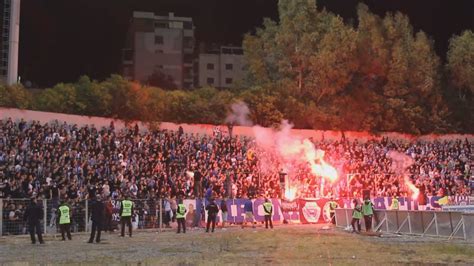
{"points": [[292, 244]]}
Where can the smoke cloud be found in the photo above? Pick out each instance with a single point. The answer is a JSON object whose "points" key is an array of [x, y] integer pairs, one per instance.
{"points": [[239, 115], [282, 150], [400, 164]]}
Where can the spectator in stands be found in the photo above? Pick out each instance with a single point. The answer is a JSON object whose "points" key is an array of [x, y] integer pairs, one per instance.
{"points": [[60, 159]]}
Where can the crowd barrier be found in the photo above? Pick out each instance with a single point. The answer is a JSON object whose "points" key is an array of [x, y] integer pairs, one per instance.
{"points": [[151, 213], [447, 224]]}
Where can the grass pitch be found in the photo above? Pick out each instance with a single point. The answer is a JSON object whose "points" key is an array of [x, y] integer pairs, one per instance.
{"points": [[287, 245]]}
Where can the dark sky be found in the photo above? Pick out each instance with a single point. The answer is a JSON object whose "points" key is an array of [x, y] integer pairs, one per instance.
{"points": [[61, 40]]}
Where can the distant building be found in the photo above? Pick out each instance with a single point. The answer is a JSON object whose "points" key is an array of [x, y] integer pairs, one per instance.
{"points": [[160, 44], [9, 39], [221, 68]]}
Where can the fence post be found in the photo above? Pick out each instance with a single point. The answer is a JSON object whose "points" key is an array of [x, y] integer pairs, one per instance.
{"points": [[45, 216], [409, 222], [87, 215], [347, 217], [463, 227], [161, 214], [1, 217]]}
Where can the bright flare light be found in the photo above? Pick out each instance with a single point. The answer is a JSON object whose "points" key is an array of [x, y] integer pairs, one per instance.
{"points": [[325, 170], [414, 190], [319, 167], [290, 193]]}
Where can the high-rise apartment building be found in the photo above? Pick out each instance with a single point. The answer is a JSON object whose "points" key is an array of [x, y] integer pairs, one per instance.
{"points": [[221, 68], [9, 38], [160, 44]]}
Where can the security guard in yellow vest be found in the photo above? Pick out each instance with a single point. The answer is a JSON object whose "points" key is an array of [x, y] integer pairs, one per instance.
{"points": [[332, 210], [268, 209], [368, 212], [395, 204], [180, 216], [126, 211], [64, 216], [356, 216]]}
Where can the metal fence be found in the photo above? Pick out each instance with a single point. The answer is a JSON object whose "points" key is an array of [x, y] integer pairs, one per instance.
{"points": [[450, 224], [147, 214]]}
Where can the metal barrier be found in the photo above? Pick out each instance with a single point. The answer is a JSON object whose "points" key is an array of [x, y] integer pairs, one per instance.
{"points": [[147, 214], [448, 224], [12, 216]]}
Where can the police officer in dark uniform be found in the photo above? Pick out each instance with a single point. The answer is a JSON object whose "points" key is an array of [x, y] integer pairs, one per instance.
{"points": [[97, 208], [33, 215], [212, 210]]}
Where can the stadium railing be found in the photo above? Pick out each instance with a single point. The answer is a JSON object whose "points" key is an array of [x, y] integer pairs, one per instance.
{"points": [[447, 224], [148, 214]]}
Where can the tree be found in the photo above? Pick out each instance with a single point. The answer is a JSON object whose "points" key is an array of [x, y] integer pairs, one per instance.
{"points": [[460, 63], [61, 99], [308, 56], [92, 97], [128, 100], [460, 74], [263, 107], [402, 71], [15, 96]]}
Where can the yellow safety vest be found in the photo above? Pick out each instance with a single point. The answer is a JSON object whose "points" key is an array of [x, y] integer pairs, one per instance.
{"points": [[127, 208], [268, 208], [181, 211], [367, 208], [64, 218], [357, 214], [332, 206], [395, 204]]}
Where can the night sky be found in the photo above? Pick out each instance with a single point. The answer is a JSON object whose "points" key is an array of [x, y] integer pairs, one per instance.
{"points": [[61, 40]]}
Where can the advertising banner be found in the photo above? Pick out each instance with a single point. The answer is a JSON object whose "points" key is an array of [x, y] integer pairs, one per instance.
{"points": [[316, 210], [296, 211]]}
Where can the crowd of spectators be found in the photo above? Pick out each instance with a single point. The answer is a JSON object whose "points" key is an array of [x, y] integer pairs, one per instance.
{"points": [[59, 160]]}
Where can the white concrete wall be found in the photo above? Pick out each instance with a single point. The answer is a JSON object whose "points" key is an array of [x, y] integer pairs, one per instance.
{"points": [[46, 117]]}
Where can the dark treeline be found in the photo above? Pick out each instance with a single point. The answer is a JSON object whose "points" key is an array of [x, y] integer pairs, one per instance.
{"points": [[310, 68]]}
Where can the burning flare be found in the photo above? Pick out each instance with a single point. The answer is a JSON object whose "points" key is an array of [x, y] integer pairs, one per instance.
{"points": [[414, 190], [319, 167], [290, 193]]}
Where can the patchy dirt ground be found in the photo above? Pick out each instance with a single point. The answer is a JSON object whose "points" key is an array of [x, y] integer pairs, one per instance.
{"points": [[290, 244]]}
